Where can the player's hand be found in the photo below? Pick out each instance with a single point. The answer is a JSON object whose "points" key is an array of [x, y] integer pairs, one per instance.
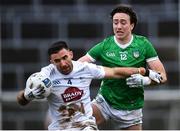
{"points": [[155, 76], [39, 92], [34, 93], [138, 81]]}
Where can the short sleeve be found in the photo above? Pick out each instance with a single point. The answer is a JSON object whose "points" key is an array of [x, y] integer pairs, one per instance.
{"points": [[151, 53], [48, 70], [95, 51], [96, 71]]}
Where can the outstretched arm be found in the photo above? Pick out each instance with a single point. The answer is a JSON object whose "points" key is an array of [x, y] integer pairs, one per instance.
{"points": [[123, 72], [85, 58]]}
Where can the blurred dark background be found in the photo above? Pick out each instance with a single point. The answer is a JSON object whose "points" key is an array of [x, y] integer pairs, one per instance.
{"points": [[28, 27]]}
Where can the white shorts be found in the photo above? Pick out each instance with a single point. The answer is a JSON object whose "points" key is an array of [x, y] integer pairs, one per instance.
{"points": [[125, 118]]}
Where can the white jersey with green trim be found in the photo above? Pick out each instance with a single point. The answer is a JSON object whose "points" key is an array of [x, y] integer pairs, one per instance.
{"points": [[69, 101]]}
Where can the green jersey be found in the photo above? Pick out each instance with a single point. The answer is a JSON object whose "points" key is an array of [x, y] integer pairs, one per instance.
{"points": [[135, 54]]}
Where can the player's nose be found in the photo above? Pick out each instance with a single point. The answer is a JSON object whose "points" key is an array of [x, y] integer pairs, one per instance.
{"points": [[63, 63]]}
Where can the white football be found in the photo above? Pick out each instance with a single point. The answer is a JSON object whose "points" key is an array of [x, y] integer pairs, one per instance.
{"points": [[37, 79]]}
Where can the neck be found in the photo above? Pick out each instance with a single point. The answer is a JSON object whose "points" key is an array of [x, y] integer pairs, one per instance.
{"points": [[124, 40]]}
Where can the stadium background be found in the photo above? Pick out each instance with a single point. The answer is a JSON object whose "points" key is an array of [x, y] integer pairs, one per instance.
{"points": [[29, 26]]}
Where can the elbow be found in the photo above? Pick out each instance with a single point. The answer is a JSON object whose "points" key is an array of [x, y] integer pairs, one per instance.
{"points": [[164, 80]]}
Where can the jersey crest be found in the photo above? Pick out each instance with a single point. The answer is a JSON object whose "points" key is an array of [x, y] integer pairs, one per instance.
{"points": [[136, 54]]}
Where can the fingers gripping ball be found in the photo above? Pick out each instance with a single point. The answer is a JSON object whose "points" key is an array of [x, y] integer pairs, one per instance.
{"points": [[37, 86]]}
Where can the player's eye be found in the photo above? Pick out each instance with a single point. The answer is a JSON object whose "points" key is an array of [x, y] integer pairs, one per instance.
{"points": [[115, 22], [57, 60], [65, 57], [123, 22]]}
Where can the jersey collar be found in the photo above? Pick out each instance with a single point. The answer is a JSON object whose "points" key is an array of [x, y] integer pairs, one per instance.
{"points": [[123, 46]]}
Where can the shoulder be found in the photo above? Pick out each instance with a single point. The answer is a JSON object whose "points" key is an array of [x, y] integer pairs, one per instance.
{"points": [[79, 64], [140, 38], [106, 43], [141, 41], [88, 69], [49, 69], [108, 39]]}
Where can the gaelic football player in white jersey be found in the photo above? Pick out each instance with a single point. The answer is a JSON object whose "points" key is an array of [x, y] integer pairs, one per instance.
{"points": [[69, 100]]}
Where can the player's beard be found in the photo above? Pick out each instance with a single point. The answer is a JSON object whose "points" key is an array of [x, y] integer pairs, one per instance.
{"points": [[66, 69]]}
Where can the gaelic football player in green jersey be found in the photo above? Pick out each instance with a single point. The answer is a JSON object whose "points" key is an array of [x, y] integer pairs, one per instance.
{"points": [[122, 100]]}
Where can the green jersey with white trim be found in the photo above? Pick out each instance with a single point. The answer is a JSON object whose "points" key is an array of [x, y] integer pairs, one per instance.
{"points": [[116, 92]]}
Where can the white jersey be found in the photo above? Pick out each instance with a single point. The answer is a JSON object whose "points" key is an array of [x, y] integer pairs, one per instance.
{"points": [[69, 101]]}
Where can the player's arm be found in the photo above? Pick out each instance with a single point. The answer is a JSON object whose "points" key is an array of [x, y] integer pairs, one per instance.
{"points": [[28, 94], [157, 66], [87, 58], [122, 72], [21, 98], [155, 75], [84, 58], [37, 87]]}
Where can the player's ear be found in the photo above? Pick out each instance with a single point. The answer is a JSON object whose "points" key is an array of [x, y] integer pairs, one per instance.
{"points": [[132, 26], [51, 61], [71, 54]]}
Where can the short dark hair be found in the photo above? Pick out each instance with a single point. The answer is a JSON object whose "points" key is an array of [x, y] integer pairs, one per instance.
{"points": [[55, 47], [127, 9]]}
